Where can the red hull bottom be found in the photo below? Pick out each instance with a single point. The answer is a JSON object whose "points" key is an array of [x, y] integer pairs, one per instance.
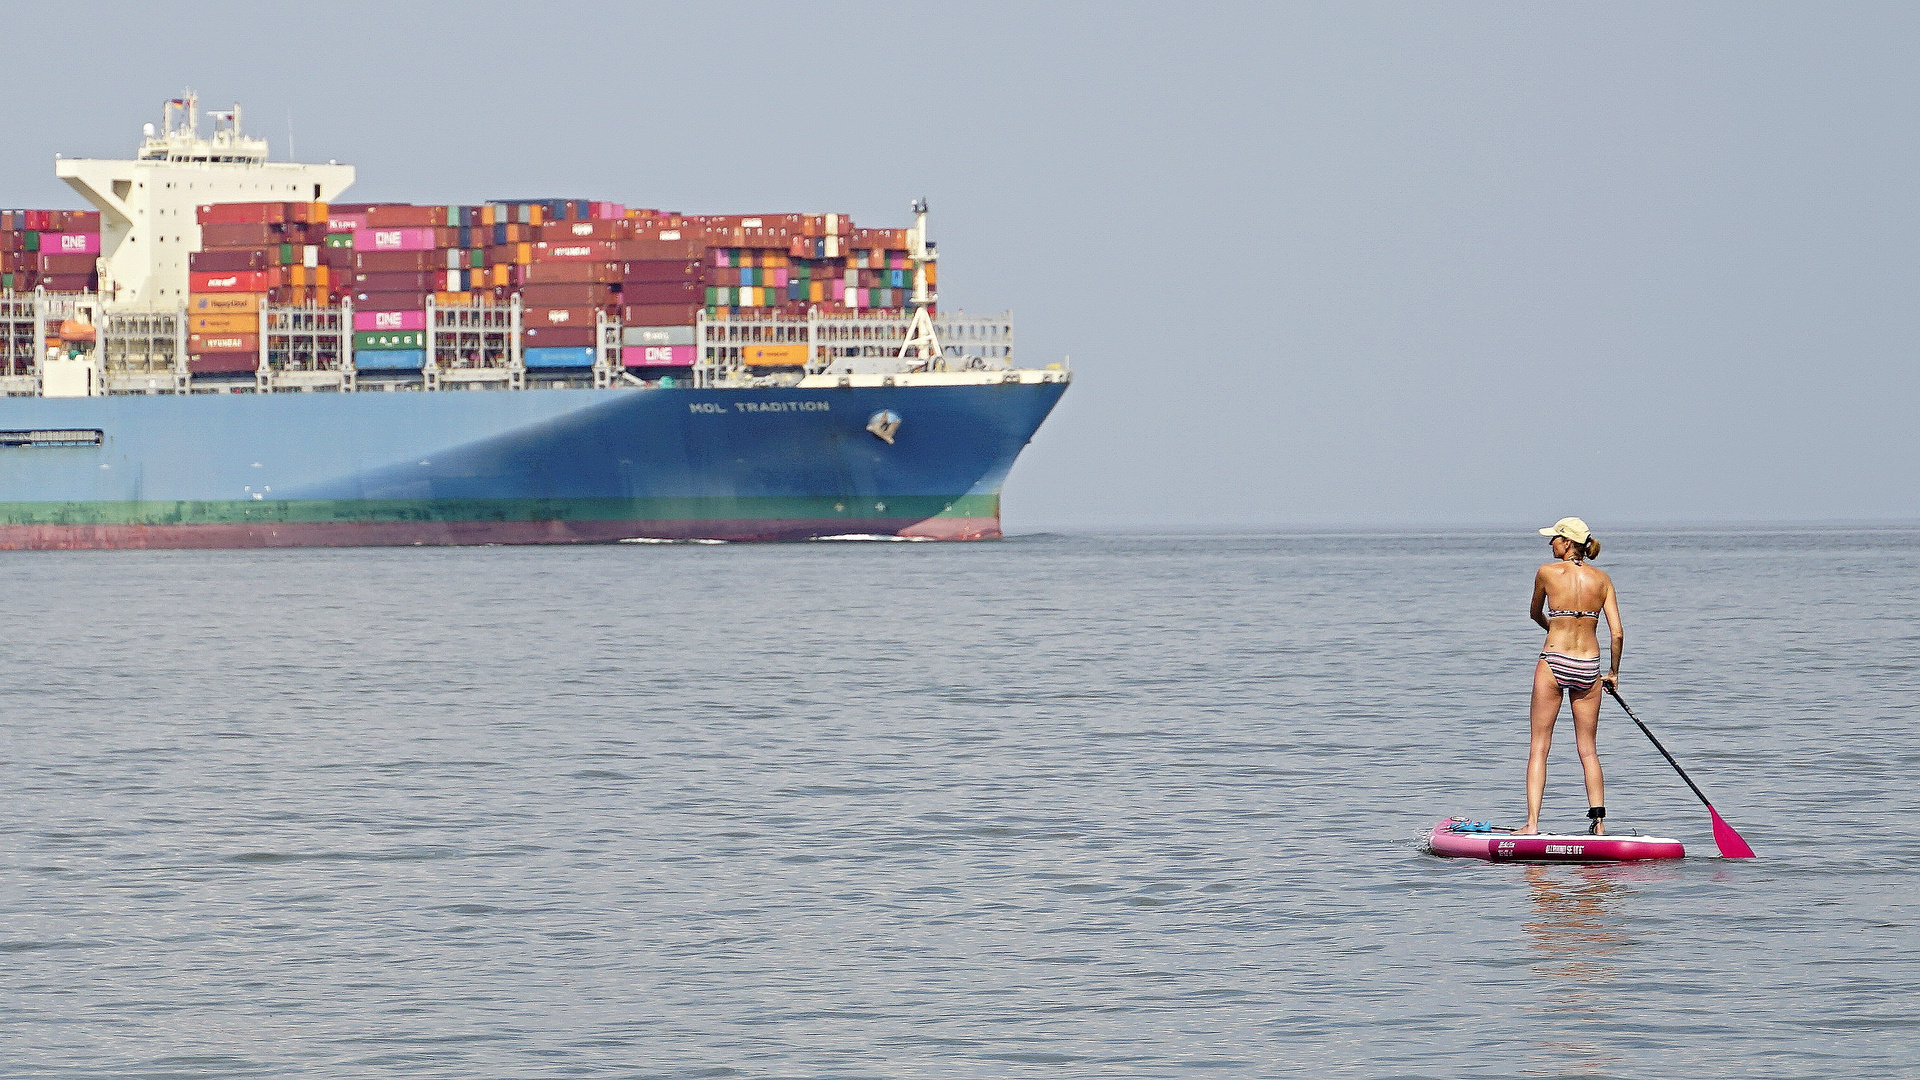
{"points": [[464, 533]]}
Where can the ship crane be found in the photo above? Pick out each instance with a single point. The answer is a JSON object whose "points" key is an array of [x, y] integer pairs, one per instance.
{"points": [[922, 346]]}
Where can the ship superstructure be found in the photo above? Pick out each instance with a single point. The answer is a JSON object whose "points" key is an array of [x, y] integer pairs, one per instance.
{"points": [[147, 221]]}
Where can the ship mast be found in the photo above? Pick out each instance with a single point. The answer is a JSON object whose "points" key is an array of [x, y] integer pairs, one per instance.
{"points": [[922, 344]]}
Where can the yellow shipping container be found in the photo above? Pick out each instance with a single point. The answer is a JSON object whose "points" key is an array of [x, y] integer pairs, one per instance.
{"points": [[224, 324], [774, 355], [501, 273], [223, 303], [452, 299]]}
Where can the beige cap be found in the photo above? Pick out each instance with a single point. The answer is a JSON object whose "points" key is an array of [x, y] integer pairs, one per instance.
{"points": [[1570, 527]]}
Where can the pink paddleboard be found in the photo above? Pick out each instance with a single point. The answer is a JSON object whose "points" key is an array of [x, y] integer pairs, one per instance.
{"points": [[1446, 839]]}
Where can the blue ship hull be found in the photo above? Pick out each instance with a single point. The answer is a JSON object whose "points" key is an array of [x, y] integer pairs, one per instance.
{"points": [[532, 466]]}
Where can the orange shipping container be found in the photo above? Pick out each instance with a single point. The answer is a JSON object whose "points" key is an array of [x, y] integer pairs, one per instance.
{"points": [[247, 323], [774, 355], [224, 303]]}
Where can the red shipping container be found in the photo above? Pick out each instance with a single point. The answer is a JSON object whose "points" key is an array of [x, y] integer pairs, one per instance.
{"points": [[223, 363], [597, 250], [398, 216], [242, 214], [392, 262], [561, 232], [423, 281], [567, 295], [561, 316], [76, 221], [64, 283], [246, 281], [663, 292], [659, 314], [410, 300], [66, 264], [230, 259], [210, 343], [241, 236], [570, 273], [558, 337], [663, 270]]}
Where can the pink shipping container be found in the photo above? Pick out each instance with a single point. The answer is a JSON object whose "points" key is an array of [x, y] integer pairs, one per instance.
{"points": [[72, 243], [389, 320], [657, 355], [394, 240]]}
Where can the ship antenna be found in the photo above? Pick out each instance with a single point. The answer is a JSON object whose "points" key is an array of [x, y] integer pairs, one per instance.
{"points": [[922, 344]]}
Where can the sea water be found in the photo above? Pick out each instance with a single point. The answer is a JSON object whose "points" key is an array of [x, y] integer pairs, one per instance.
{"points": [[1140, 806]]}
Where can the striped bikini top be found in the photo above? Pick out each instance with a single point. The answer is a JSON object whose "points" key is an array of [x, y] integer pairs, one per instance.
{"points": [[1552, 614]]}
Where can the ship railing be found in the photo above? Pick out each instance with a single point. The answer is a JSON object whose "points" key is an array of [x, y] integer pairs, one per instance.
{"points": [[849, 342]]}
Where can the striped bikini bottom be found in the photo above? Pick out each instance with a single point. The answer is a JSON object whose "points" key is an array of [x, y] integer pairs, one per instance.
{"points": [[1575, 673]]}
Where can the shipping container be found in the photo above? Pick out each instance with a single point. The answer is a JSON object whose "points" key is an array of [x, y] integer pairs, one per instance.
{"points": [[557, 316], [663, 270], [242, 214], [568, 296], [390, 320], [662, 292], [383, 262], [572, 273], [224, 303], [220, 325], [209, 343], [773, 355], [659, 314], [390, 360], [64, 264], [241, 236], [229, 260], [244, 281], [657, 335], [390, 300], [223, 363], [559, 336], [389, 339], [658, 355], [375, 239], [70, 243], [557, 357], [419, 281]]}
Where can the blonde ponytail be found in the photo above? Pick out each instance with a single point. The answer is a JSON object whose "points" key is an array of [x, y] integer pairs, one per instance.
{"points": [[1593, 549]]}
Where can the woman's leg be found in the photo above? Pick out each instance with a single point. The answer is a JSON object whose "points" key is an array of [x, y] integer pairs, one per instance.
{"points": [[1586, 736], [1546, 708]]}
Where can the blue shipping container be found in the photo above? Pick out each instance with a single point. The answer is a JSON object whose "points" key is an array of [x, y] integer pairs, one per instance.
{"points": [[390, 359], [577, 357]]}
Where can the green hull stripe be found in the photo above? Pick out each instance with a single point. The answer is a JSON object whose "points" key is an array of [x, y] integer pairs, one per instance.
{"points": [[310, 511]]}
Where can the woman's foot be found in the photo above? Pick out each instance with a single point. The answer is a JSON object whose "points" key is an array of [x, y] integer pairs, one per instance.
{"points": [[1598, 828], [1531, 828]]}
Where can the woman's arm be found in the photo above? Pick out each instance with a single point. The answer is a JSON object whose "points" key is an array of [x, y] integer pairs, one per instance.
{"points": [[1618, 633], [1539, 610]]}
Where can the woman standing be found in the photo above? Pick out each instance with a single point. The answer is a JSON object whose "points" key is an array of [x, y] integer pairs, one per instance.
{"points": [[1569, 596]]}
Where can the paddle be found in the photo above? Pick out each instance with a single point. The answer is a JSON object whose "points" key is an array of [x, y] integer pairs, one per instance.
{"points": [[1730, 843]]}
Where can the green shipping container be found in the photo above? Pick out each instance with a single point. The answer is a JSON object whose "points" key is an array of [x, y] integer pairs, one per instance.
{"points": [[339, 239], [33, 241], [374, 340]]}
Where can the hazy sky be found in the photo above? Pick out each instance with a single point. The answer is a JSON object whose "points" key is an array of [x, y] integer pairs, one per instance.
{"points": [[1314, 263]]}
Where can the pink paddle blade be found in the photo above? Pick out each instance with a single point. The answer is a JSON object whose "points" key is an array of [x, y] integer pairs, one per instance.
{"points": [[1730, 843]]}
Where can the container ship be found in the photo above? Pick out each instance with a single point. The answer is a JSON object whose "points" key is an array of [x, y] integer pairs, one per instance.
{"points": [[224, 353]]}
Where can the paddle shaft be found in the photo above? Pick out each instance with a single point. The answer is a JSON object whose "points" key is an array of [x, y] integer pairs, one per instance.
{"points": [[1656, 745]]}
